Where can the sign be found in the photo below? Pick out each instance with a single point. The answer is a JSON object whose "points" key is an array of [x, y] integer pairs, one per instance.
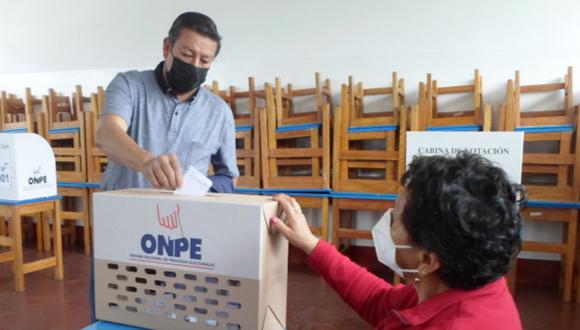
{"points": [[505, 149]]}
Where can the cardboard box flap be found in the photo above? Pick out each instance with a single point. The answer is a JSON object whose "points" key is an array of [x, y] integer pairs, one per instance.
{"points": [[209, 197], [271, 321]]}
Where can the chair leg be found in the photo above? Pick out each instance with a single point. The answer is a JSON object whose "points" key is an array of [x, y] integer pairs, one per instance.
{"points": [[324, 220], [57, 234], [335, 223], [571, 251], [16, 233], [3, 231], [348, 217], [87, 235], [39, 234], [46, 232]]}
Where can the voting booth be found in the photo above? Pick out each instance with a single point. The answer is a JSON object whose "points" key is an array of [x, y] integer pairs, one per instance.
{"points": [[169, 261], [27, 167]]}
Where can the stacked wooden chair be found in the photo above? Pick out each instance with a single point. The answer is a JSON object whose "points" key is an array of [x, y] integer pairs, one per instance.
{"points": [[432, 118], [96, 159], [368, 156], [65, 131], [295, 145], [17, 113], [247, 133], [551, 166]]}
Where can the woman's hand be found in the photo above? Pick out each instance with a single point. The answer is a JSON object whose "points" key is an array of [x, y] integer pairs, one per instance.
{"points": [[296, 229]]}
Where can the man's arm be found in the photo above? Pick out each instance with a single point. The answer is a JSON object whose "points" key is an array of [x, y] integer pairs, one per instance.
{"points": [[163, 171], [112, 138]]}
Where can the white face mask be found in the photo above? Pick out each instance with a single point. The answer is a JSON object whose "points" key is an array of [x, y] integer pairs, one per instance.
{"points": [[385, 246]]}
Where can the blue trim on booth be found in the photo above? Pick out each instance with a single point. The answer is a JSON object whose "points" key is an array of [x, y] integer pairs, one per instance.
{"points": [[455, 128], [373, 128], [64, 130], [248, 191], [545, 129], [298, 194], [300, 127], [357, 195], [244, 128], [297, 190], [554, 204], [103, 325], [79, 185], [29, 201], [15, 130]]}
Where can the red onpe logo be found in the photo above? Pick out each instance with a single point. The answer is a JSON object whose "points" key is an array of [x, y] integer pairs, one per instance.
{"points": [[170, 221]]}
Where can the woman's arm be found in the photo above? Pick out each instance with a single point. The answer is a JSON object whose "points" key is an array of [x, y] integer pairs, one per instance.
{"points": [[371, 297]]}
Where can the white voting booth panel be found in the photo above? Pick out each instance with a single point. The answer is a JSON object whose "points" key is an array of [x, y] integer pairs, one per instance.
{"points": [[505, 149], [27, 167], [166, 261]]}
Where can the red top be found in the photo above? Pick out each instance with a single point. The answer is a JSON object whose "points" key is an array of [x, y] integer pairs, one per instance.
{"points": [[395, 307]]}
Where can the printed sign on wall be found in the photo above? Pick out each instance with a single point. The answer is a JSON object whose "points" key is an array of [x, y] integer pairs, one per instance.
{"points": [[503, 148]]}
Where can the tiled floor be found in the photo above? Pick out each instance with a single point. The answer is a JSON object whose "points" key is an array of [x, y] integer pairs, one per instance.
{"points": [[49, 304]]}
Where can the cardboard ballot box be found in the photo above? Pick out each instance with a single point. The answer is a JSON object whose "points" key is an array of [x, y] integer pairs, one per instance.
{"points": [[164, 261], [27, 167]]}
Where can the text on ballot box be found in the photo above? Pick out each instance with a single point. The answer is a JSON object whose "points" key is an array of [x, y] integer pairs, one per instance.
{"points": [[168, 261], [505, 149]]}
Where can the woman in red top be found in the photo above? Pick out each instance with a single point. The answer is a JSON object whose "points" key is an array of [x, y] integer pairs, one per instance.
{"points": [[453, 234]]}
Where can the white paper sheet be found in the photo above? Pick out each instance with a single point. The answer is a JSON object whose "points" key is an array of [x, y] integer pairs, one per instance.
{"points": [[194, 183]]}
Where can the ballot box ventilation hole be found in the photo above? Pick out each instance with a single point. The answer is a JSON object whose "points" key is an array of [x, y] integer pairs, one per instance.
{"points": [[190, 298]]}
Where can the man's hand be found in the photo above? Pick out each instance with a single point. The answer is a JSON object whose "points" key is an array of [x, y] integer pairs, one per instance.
{"points": [[163, 171]]}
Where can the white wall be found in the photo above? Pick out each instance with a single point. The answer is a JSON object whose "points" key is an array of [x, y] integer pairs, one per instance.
{"points": [[62, 43]]}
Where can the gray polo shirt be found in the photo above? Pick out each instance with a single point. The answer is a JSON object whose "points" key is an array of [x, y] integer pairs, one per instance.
{"points": [[199, 131]]}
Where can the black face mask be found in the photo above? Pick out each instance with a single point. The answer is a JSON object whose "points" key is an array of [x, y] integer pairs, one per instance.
{"points": [[184, 77]]}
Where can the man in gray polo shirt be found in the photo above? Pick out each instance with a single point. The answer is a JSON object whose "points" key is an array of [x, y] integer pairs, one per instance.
{"points": [[158, 123]]}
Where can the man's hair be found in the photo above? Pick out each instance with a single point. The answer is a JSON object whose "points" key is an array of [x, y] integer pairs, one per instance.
{"points": [[466, 211], [197, 22]]}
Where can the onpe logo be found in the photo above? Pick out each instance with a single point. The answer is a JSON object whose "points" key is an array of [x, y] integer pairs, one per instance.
{"points": [[170, 221], [165, 245]]}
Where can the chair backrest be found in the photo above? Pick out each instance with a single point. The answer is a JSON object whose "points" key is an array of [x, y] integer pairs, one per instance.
{"points": [[233, 98], [285, 100], [355, 96], [431, 116], [60, 109], [17, 113], [513, 116], [91, 115]]}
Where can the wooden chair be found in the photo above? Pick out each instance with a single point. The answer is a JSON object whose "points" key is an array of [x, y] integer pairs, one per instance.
{"points": [[16, 114], [295, 146], [368, 156], [247, 132], [551, 165], [65, 131], [96, 159], [431, 118], [66, 134]]}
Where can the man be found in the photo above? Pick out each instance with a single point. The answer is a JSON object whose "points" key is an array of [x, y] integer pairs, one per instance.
{"points": [[158, 123]]}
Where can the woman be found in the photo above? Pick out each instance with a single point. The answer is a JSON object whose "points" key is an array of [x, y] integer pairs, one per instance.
{"points": [[453, 234]]}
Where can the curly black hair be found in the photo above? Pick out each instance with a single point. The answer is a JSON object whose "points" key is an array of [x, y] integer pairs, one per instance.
{"points": [[466, 211]]}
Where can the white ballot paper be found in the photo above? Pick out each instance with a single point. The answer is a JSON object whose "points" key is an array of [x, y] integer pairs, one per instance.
{"points": [[194, 183]]}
